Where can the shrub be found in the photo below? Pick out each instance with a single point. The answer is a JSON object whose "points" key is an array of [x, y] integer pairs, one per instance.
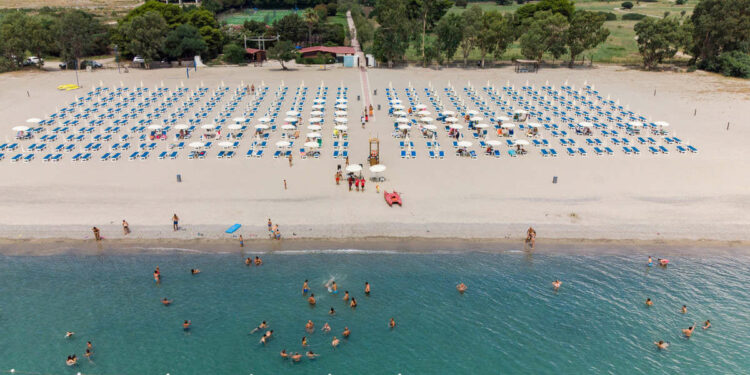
{"points": [[633, 16], [462, 3], [680, 2], [333, 8], [504, 2], [234, 54], [733, 64], [520, 1], [610, 16], [627, 5]]}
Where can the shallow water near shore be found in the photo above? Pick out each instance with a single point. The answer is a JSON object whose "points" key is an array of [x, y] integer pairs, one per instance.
{"points": [[509, 321]]}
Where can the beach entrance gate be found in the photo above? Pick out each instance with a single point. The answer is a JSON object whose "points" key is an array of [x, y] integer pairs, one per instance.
{"points": [[374, 157]]}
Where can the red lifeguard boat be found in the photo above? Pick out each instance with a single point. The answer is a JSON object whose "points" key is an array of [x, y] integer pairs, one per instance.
{"points": [[392, 198]]}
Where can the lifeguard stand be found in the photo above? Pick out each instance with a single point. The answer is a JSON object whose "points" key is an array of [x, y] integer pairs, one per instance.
{"points": [[374, 157]]}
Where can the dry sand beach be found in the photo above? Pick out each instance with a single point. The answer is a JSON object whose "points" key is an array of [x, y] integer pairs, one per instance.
{"points": [[673, 197]]}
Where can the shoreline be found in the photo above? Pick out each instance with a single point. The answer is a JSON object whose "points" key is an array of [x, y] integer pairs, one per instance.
{"points": [[372, 245]]}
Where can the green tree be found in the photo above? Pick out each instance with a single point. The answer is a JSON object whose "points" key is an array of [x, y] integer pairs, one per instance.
{"points": [[234, 54], [172, 13], [311, 19], [564, 7], [462, 3], [200, 18], [449, 32], [282, 51], [77, 33], [586, 31], [427, 13], [658, 39], [184, 42], [472, 21], [392, 38], [145, 35], [719, 26], [496, 34], [214, 39], [41, 38], [627, 5], [14, 38], [544, 33], [291, 27]]}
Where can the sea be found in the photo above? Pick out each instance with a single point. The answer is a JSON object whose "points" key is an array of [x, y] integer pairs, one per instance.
{"points": [[509, 321]]}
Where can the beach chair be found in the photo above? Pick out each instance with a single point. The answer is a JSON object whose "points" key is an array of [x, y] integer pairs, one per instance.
{"points": [[512, 153], [455, 144], [132, 156], [403, 154], [163, 155], [414, 154], [221, 154], [545, 153], [173, 155], [571, 151], [653, 149], [125, 146], [201, 154], [57, 157], [509, 143], [598, 150], [681, 149], [105, 157], [589, 142], [16, 158], [626, 150], [229, 155], [277, 154], [608, 150], [692, 149], [663, 150], [86, 157], [47, 158], [676, 140], [259, 154], [553, 152], [249, 153], [635, 150], [582, 151], [28, 158], [432, 154], [651, 140], [641, 140], [496, 153]]}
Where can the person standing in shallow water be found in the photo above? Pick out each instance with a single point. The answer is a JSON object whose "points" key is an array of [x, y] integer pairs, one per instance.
{"points": [[125, 227], [175, 222], [97, 235]]}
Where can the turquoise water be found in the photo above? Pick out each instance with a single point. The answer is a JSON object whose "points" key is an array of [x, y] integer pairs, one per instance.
{"points": [[509, 321]]}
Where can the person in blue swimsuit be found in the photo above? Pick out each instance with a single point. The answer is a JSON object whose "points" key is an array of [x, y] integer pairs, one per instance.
{"points": [[650, 261], [305, 288]]}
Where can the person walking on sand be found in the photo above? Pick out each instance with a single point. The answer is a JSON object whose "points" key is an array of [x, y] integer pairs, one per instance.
{"points": [[125, 227], [97, 235], [285, 184], [175, 222], [531, 237], [242, 241], [290, 160]]}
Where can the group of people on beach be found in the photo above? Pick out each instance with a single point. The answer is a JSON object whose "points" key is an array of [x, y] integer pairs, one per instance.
{"points": [[273, 230]]}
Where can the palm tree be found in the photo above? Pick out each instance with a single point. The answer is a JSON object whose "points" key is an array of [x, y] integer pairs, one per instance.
{"points": [[311, 18]]}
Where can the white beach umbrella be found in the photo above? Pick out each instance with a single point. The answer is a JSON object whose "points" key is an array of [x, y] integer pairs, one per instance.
{"points": [[292, 113], [398, 106], [341, 120], [181, 127], [282, 144], [464, 144], [340, 113], [402, 120], [508, 126], [288, 127], [318, 106], [316, 113], [426, 119], [423, 113], [400, 113], [238, 119], [533, 125], [34, 120], [353, 168], [314, 127], [430, 127], [636, 124], [342, 100], [264, 119], [521, 142], [520, 111], [261, 127], [226, 144], [196, 144], [341, 106], [420, 106], [377, 168], [404, 126], [476, 118], [502, 118], [584, 124], [290, 119], [451, 119], [448, 113], [312, 144], [234, 127], [395, 101], [663, 124], [472, 112], [494, 142], [20, 128], [481, 126], [315, 120], [456, 126], [319, 100], [208, 126], [342, 128], [154, 127], [313, 135]]}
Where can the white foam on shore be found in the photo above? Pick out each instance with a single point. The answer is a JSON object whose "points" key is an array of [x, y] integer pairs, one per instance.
{"points": [[175, 249]]}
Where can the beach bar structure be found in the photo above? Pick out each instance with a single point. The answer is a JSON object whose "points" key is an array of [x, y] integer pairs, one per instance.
{"points": [[256, 55], [526, 66], [338, 52]]}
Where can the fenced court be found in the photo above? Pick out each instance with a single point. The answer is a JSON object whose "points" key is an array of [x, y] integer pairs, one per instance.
{"points": [[267, 16]]}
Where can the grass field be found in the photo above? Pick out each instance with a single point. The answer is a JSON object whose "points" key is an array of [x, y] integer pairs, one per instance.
{"points": [[267, 16]]}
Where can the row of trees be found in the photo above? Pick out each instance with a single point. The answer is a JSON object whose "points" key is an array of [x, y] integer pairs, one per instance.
{"points": [[549, 26]]}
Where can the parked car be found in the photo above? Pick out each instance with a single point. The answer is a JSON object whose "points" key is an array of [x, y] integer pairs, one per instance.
{"points": [[93, 64], [139, 60], [33, 60], [65, 65]]}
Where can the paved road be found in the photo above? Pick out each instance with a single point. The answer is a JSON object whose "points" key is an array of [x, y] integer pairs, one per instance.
{"points": [[364, 80]]}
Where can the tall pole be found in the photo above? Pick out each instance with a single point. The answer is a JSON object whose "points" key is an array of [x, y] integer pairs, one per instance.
{"points": [[77, 82]]}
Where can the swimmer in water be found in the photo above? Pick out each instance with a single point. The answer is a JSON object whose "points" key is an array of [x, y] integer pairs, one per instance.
{"points": [[332, 312], [266, 337], [346, 332], [88, 345], [334, 342], [556, 284], [305, 288], [311, 355], [334, 288], [684, 309], [346, 295], [311, 300], [661, 344], [304, 341], [186, 325], [72, 360], [461, 288], [649, 302], [284, 354], [689, 331], [392, 324], [166, 302], [707, 324], [88, 354], [157, 275], [296, 357], [326, 328], [309, 327], [663, 262], [367, 288], [262, 325], [248, 261], [353, 304], [194, 271], [650, 261], [258, 261], [69, 334]]}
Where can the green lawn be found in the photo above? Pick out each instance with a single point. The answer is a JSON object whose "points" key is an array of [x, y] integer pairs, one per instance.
{"points": [[268, 16]]}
